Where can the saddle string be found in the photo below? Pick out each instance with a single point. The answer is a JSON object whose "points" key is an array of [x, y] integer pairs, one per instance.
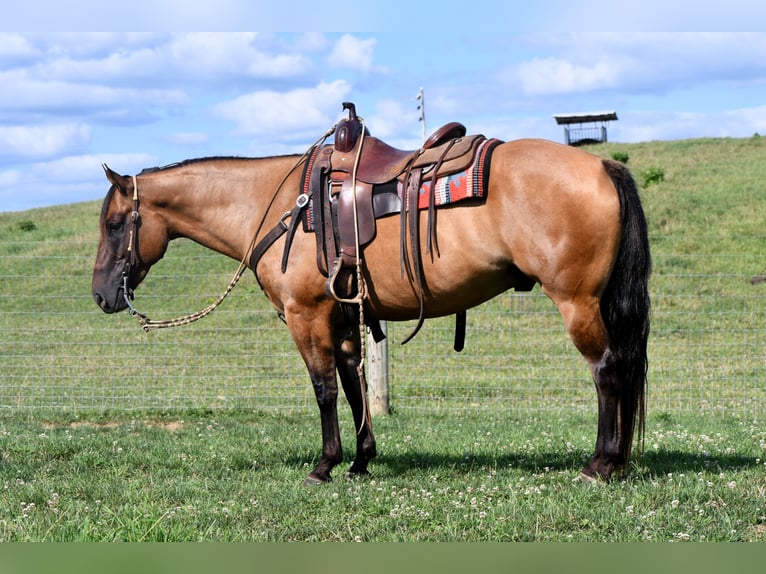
{"points": [[361, 294], [361, 291], [149, 324]]}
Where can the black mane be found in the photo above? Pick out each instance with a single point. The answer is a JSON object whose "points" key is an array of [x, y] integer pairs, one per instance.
{"points": [[187, 162], [201, 160]]}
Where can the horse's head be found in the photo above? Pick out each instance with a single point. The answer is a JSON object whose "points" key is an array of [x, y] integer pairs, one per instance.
{"points": [[133, 238]]}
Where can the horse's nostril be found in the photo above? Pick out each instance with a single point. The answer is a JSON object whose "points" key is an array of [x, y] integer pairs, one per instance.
{"points": [[99, 299]]}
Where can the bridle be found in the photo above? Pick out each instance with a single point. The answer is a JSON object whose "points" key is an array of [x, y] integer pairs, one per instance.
{"points": [[252, 254], [130, 261]]}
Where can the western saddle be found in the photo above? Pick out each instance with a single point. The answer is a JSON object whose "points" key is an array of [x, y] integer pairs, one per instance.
{"points": [[349, 184]]}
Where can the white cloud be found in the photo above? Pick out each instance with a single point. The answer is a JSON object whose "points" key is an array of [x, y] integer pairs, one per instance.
{"points": [[646, 125], [88, 167], [638, 62], [745, 121], [353, 53], [15, 46], [42, 141], [548, 76], [24, 95], [118, 65], [132, 78], [166, 59], [277, 113], [312, 42], [389, 118], [93, 45], [65, 180], [232, 54]]}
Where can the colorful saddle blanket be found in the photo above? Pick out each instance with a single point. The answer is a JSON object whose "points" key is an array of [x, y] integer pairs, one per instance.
{"points": [[470, 183]]}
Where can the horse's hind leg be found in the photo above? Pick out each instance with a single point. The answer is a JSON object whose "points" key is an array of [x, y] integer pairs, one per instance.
{"points": [[611, 452], [588, 332], [348, 358]]}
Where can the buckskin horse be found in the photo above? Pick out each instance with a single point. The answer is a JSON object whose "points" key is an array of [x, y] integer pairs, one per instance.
{"points": [[550, 214]]}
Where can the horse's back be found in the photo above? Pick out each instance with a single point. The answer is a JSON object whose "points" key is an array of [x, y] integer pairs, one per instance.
{"points": [[548, 208]]}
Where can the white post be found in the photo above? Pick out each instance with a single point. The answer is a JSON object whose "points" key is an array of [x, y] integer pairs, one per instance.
{"points": [[422, 108], [377, 393]]}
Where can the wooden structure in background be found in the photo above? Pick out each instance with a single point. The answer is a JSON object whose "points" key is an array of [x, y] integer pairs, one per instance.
{"points": [[585, 128]]}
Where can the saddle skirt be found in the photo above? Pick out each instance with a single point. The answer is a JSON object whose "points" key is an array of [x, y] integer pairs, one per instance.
{"points": [[454, 184]]}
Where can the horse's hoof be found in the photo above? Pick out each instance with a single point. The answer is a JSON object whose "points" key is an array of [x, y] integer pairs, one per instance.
{"points": [[586, 478], [582, 477], [357, 475], [314, 481]]}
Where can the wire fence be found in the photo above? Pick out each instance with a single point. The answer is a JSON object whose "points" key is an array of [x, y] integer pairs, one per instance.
{"points": [[61, 356]]}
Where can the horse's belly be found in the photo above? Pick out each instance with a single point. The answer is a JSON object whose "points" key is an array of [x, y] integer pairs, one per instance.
{"points": [[459, 276]]}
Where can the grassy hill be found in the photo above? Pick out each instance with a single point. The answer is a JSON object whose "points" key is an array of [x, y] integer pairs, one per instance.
{"points": [[705, 203], [206, 432]]}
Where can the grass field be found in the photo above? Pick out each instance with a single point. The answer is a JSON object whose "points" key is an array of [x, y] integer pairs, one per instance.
{"points": [[206, 433], [237, 477]]}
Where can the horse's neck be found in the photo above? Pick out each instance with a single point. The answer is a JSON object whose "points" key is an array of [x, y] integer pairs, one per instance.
{"points": [[219, 212]]}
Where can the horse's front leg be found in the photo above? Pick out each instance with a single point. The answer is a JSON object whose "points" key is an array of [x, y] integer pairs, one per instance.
{"points": [[348, 358], [312, 332]]}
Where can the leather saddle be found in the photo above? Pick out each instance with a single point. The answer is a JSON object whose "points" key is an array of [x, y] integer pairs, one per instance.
{"points": [[358, 162], [348, 185], [339, 183]]}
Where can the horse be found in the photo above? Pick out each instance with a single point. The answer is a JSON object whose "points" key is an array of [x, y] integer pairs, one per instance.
{"points": [[553, 215]]}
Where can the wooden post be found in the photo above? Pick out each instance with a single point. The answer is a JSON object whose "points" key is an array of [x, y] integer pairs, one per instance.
{"points": [[377, 393]]}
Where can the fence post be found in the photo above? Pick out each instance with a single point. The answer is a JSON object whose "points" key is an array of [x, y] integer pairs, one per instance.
{"points": [[377, 392]]}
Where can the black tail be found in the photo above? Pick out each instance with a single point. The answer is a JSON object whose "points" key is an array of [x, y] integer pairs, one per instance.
{"points": [[625, 305]]}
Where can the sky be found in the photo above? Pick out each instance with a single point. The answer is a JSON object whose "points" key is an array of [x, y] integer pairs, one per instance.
{"points": [[73, 101]]}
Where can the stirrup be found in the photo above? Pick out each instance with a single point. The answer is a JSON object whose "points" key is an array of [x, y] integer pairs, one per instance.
{"points": [[333, 278]]}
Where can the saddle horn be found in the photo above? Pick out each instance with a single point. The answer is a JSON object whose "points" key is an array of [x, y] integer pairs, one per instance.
{"points": [[347, 131]]}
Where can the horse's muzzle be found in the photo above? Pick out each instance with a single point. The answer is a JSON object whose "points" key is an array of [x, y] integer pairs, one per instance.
{"points": [[112, 302]]}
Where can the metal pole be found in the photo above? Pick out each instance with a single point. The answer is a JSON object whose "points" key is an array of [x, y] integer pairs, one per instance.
{"points": [[422, 107]]}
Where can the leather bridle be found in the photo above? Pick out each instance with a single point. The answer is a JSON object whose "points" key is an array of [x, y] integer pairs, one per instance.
{"points": [[130, 261], [253, 254]]}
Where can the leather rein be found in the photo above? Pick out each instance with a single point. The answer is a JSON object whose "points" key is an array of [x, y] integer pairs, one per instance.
{"points": [[253, 254]]}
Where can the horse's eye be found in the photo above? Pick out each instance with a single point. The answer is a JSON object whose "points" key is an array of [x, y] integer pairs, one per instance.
{"points": [[114, 227]]}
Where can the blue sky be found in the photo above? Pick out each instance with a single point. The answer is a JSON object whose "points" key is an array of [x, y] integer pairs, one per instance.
{"points": [[72, 101]]}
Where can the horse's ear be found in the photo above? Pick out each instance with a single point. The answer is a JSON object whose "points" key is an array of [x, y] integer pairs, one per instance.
{"points": [[116, 179]]}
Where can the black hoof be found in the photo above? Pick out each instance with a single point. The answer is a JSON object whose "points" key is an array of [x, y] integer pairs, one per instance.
{"points": [[314, 481], [353, 475], [588, 479]]}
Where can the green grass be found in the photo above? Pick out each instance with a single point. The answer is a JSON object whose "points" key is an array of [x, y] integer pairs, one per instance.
{"points": [[497, 477], [206, 432]]}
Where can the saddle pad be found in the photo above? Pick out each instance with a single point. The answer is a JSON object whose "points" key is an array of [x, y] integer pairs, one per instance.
{"points": [[468, 184]]}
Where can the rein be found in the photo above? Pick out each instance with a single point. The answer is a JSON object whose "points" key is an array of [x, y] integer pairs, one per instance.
{"points": [[254, 252], [256, 246], [146, 323]]}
